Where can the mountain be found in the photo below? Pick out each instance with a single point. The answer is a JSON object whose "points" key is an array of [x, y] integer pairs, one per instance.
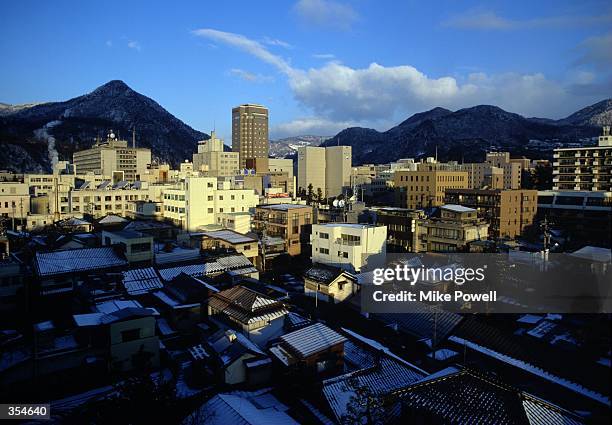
{"points": [[468, 133], [288, 146], [33, 136]]}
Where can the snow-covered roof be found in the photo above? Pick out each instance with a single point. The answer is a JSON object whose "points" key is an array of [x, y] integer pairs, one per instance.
{"points": [[246, 305], [77, 260], [74, 222], [238, 263], [457, 208], [112, 219], [242, 408], [111, 306], [594, 253], [141, 281], [282, 207], [311, 340], [229, 236]]}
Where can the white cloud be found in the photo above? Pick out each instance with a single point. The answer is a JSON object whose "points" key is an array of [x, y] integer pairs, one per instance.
{"points": [[489, 20], [596, 51], [276, 42], [327, 56], [326, 13], [249, 76], [378, 94], [132, 44], [310, 125]]}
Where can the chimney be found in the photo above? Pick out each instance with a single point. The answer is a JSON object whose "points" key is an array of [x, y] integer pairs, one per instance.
{"points": [[231, 335]]}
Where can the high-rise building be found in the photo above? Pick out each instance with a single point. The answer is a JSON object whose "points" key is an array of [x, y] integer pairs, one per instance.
{"points": [[338, 165], [586, 168], [113, 157], [311, 169], [325, 168], [250, 132], [512, 169], [213, 161]]}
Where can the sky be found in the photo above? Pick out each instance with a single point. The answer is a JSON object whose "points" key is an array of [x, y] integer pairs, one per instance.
{"points": [[318, 65]]}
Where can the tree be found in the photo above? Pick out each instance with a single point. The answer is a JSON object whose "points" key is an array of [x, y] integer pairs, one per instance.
{"points": [[364, 407], [309, 195]]}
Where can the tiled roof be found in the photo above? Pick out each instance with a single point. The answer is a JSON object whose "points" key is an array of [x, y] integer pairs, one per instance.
{"points": [[246, 305], [425, 322], [311, 340], [469, 397], [324, 273], [112, 219], [77, 260], [229, 236], [141, 281], [238, 263]]}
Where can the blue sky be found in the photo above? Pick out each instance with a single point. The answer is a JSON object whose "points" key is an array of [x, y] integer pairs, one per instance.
{"points": [[319, 65]]}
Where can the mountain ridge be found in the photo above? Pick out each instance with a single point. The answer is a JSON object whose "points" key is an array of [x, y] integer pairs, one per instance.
{"points": [[468, 133], [74, 124]]}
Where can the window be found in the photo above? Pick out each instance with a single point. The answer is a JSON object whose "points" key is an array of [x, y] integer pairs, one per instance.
{"points": [[324, 235], [141, 247], [324, 251], [130, 335]]}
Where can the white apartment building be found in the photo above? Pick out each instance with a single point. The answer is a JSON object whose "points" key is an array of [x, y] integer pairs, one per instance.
{"points": [[100, 200], [349, 246], [586, 168], [325, 168], [199, 201], [212, 161], [14, 200], [113, 158]]}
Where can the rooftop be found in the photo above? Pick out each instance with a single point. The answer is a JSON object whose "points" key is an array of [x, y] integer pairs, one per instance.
{"points": [[311, 340], [229, 236], [283, 207], [457, 208], [77, 260]]}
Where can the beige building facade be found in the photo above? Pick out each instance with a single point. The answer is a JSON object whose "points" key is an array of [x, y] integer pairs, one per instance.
{"points": [[250, 132]]}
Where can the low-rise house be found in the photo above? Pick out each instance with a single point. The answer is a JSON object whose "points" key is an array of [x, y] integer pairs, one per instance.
{"points": [[137, 247], [234, 264], [60, 271], [181, 301], [328, 283], [242, 408], [131, 342], [141, 281], [237, 359], [257, 316], [228, 239], [312, 350]]}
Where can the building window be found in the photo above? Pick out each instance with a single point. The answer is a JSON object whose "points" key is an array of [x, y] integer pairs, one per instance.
{"points": [[130, 335], [324, 235]]}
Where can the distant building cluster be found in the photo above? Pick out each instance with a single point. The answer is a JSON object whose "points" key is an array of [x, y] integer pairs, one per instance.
{"points": [[235, 278]]}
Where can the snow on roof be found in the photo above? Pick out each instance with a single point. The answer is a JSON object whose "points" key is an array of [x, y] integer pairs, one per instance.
{"points": [[594, 253], [457, 208], [442, 354], [534, 370], [242, 409], [77, 260], [312, 339], [238, 263], [112, 219], [177, 255], [531, 319], [88, 319], [543, 413], [282, 207], [108, 307], [141, 281], [229, 236]]}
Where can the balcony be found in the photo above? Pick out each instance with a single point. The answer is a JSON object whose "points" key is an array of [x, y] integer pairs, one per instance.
{"points": [[556, 164], [345, 242]]}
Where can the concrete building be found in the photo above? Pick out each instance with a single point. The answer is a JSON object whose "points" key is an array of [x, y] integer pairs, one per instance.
{"points": [[349, 246], [114, 158], [14, 200], [250, 132], [100, 200], [456, 227], [281, 165], [289, 222], [423, 189], [137, 247], [197, 201], [508, 212], [213, 161], [326, 168], [401, 224], [311, 169], [585, 168], [483, 174], [338, 166], [512, 169]]}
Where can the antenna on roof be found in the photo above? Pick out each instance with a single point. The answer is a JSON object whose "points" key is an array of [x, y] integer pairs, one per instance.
{"points": [[436, 153], [134, 137]]}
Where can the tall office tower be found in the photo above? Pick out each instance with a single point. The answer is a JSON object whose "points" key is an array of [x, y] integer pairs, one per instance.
{"points": [[250, 132], [338, 161], [311, 168]]}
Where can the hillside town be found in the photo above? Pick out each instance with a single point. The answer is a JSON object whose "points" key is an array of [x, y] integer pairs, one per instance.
{"points": [[226, 289]]}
